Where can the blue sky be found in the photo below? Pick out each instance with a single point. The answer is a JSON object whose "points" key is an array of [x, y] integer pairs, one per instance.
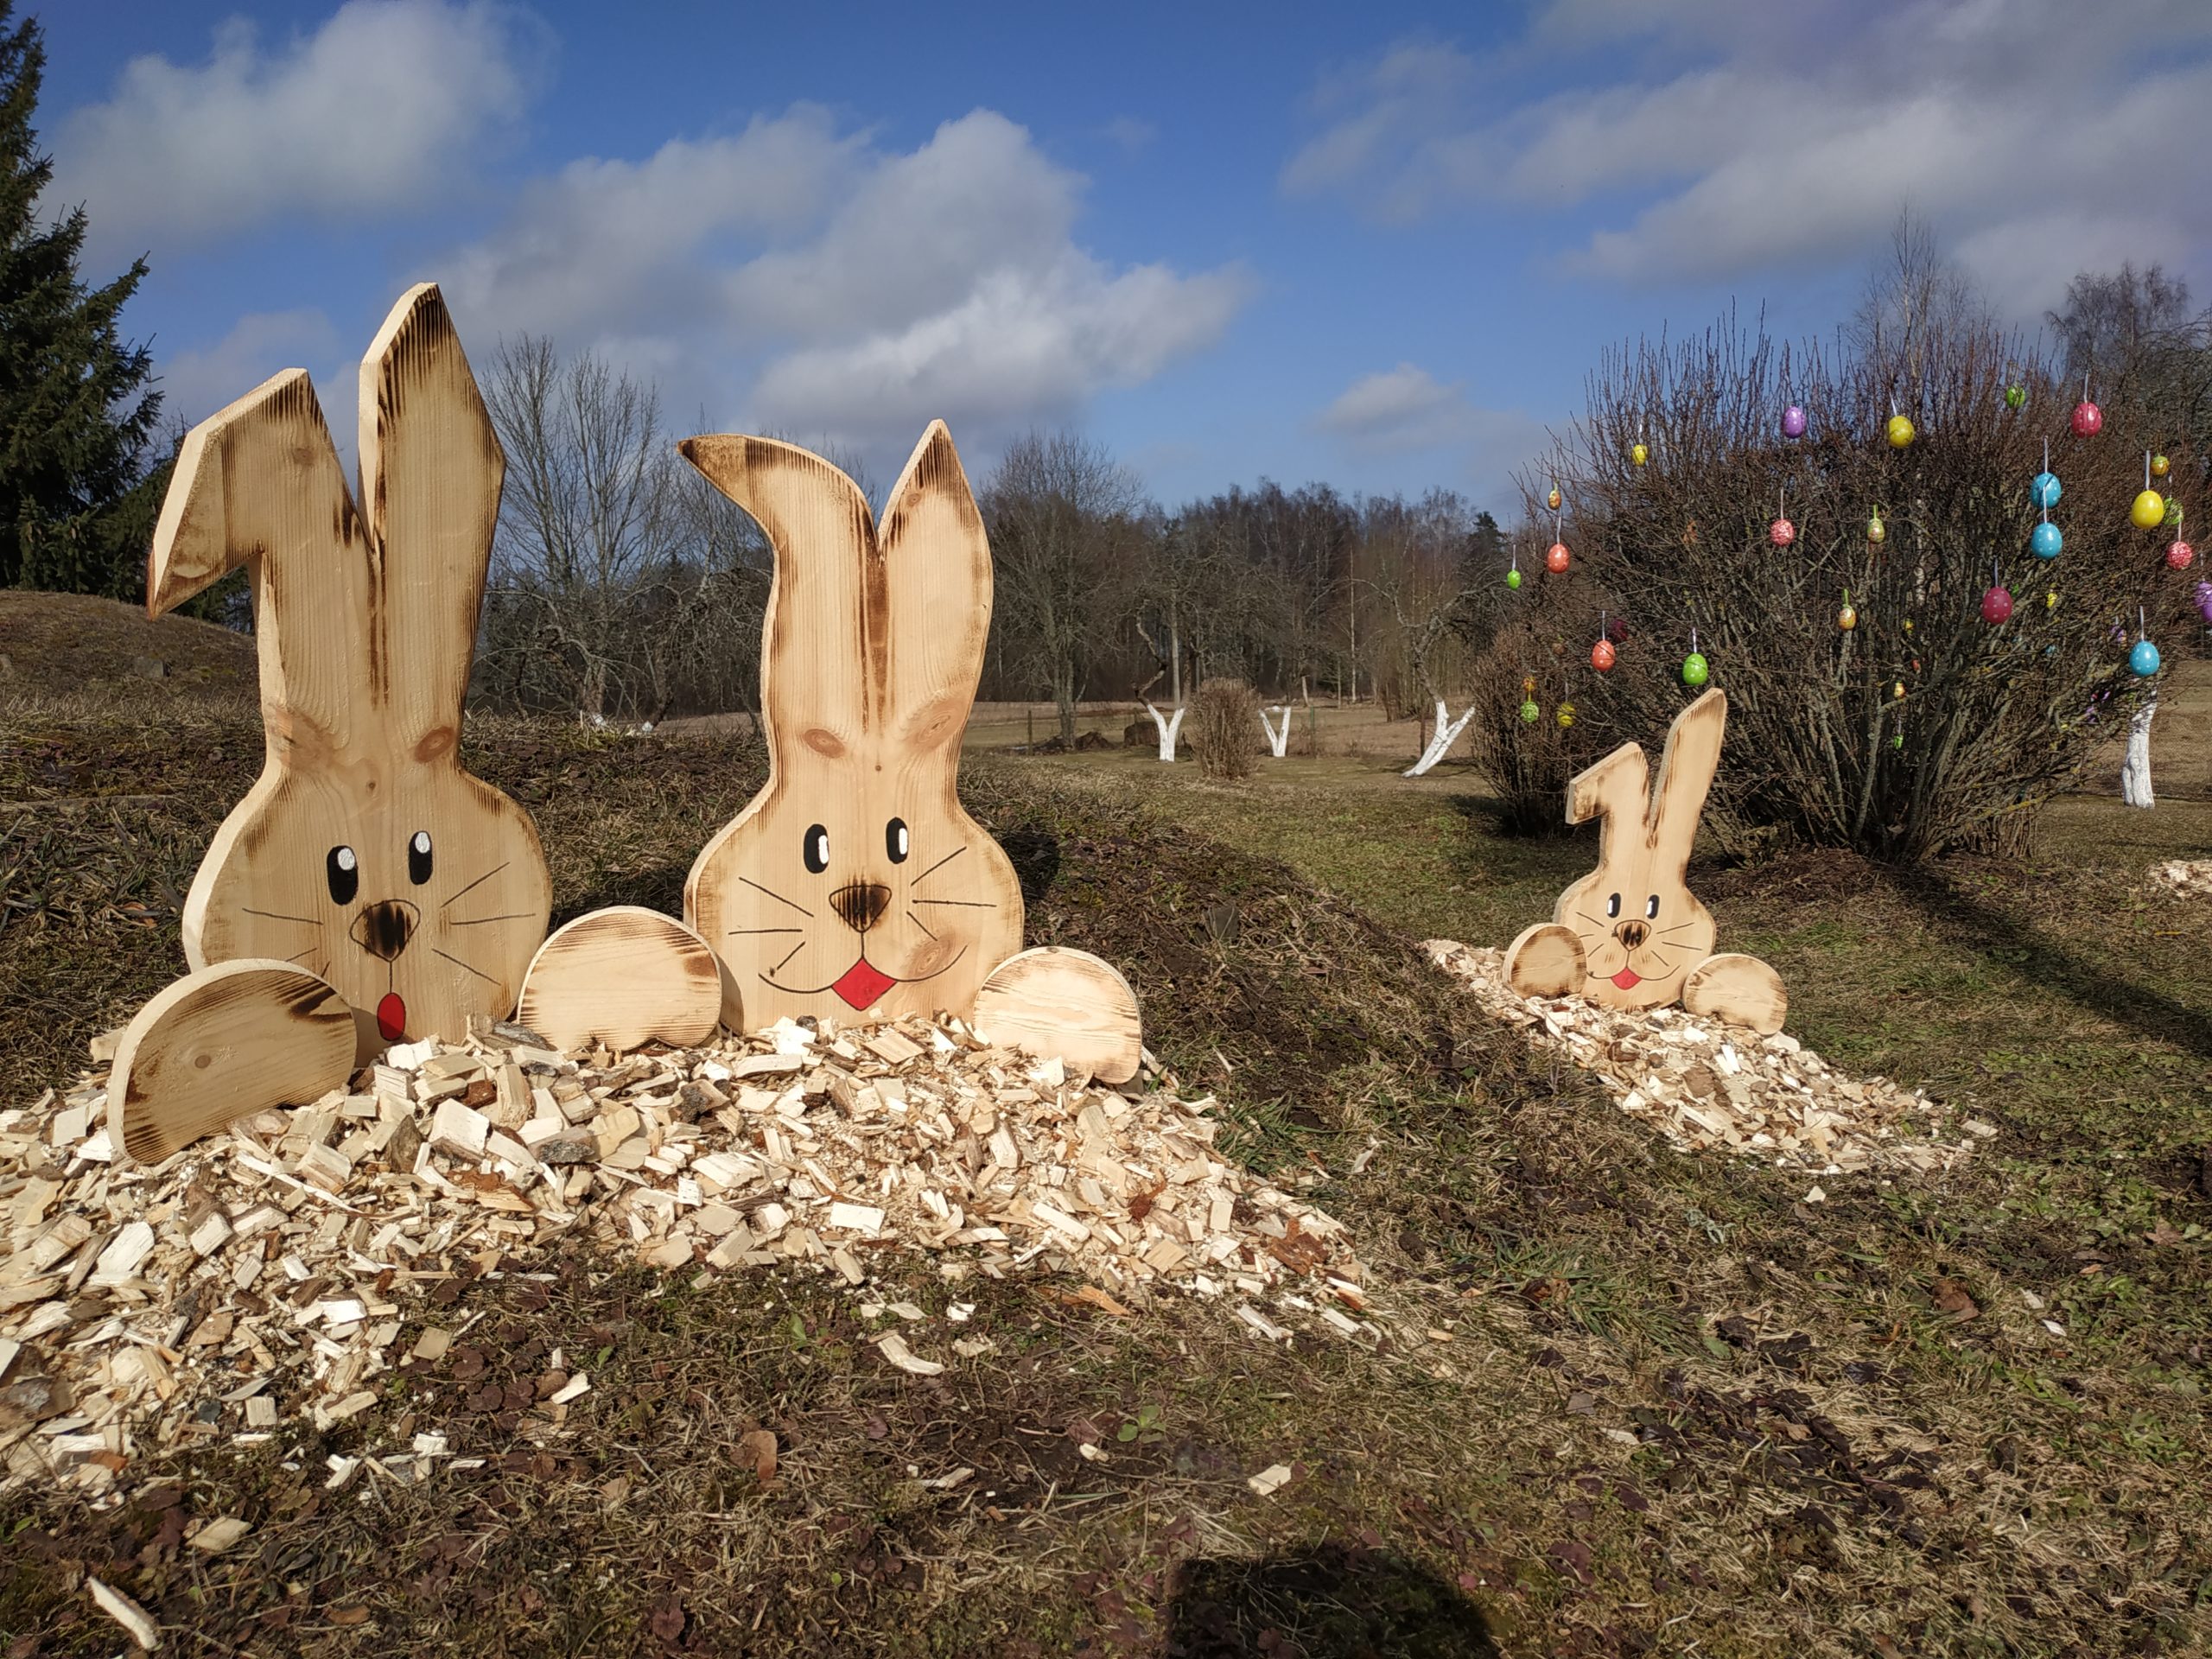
{"points": [[1377, 246]]}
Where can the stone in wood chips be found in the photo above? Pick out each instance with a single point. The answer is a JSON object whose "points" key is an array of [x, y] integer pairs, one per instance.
{"points": [[260, 1278], [1707, 1085]]}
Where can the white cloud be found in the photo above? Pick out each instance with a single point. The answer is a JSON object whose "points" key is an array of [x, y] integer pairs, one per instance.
{"points": [[2037, 134], [802, 278], [195, 383], [374, 113], [1404, 408]]}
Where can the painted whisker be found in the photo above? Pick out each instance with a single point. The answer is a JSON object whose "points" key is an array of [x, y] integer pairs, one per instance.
{"points": [[940, 865], [478, 882], [777, 897], [457, 962], [279, 916]]}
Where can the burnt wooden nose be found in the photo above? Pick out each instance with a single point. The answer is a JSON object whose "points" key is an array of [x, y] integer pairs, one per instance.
{"points": [[1631, 934], [383, 929], [861, 905]]}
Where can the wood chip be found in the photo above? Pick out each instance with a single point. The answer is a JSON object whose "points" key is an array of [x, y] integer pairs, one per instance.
{"points": [[893, 1347], [219, 1534], [126, 1612]]}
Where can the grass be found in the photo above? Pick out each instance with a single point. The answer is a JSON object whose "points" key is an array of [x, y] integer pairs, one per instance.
{"points": [[1678, 1410]]}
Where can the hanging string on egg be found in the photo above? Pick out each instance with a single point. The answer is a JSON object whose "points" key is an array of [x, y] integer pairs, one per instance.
{"points": [[1846, 618], [1782, 532], [2143, 659], [2088, 419], [1695, 671], [1996, 603], [2149, 510], [1900, 428], [1513, 573], [1556, 559], [1602, 655]]}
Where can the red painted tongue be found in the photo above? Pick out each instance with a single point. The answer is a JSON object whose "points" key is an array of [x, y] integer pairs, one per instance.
{"points": [[863, 984], [1628, 979], [392, 1018]]}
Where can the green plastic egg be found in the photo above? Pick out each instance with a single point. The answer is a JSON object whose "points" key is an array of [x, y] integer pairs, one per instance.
{"points": [[1694, 671]]}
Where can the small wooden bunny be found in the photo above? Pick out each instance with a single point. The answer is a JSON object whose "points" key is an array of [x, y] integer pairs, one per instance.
{"points": [[1631, 934], [855, 883], [367, 888]]}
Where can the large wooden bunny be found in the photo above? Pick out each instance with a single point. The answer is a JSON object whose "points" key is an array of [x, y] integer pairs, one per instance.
{"points": [[855, 883], [367, 888], [1631, 934]]}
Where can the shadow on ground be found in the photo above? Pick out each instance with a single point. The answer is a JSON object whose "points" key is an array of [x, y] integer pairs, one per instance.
{"points": [[1334, 1603]]}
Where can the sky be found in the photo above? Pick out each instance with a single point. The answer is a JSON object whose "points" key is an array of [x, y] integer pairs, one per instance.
{"points": [[1381, 247]]}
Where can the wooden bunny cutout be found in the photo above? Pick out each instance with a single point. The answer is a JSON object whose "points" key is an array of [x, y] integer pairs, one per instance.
{"points": [[855, 883], [1631, 935], [367, 888]]}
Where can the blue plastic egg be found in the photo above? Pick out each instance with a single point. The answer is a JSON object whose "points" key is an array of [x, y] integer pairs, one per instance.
{"points": [[2044, 491], [2046, 542], [2143, 659]]}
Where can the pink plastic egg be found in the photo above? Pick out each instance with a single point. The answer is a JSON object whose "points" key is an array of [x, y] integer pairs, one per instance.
{"points": [[2088, 419], [2179, 554], [1782, 532], [1996, 605], [1601, 655], [1555, 560]]}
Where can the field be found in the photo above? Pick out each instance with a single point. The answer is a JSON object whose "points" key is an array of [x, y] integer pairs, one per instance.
{"points": [[1664, 1405]]}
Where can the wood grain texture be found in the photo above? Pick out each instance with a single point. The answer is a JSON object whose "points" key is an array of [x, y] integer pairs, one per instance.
{"points": [[855, 883], [1545, 960], [1052, 1001], [223, 1043], [1739, 989], [364, 852], [622, 977]]}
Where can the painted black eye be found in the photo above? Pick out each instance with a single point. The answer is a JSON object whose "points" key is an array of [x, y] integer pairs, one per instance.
{"points": [[895, 840], [815, 849], [1651, 908], [343, 871], [1613, 906], [418, 858]]}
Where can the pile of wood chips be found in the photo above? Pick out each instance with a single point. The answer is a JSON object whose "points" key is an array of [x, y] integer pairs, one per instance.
{"points": [[265, 1273], [2183, 877], [1706, 1085]]}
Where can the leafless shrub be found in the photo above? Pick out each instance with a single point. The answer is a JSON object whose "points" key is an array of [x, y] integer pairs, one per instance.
{"points": [[1228, 733]]}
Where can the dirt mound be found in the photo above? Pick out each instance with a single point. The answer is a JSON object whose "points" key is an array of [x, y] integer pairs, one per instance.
{"points": [[62, 643]]}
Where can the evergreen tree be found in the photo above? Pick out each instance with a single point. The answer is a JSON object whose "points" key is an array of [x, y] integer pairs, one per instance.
{"points": [[77, 499]]}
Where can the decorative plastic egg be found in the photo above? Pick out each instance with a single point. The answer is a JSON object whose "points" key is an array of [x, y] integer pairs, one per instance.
{"points": [[2050, 598], [1897, 691], [1556, 560], [2016, 395], [2179, 554], [1513, 580], [1602, 655], [2158, 465], [1996, 605], [2173, 513], [2043, 489], [1528, 685], [1638, 454], [1552, 500], [1874, 530], [2046, 542], [1900, 431], [1846, 618], [1898, 742], [1693, 668], [1689, 533], [1793, 422], [1908, 624], [1566, 716], [2204, 601], [2088, 419], [2143, 659], [2149, 510], [1782, 532]]}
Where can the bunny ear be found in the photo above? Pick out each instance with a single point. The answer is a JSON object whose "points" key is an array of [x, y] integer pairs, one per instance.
{"points": [[824, 643], [1686, 770], [939, 566], [259, 482], [1610, 790], [431, 468]]}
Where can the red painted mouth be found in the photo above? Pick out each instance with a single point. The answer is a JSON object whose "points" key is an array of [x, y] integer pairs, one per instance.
{"points": [[863, 984], [1628, 979], [392, 1018]]}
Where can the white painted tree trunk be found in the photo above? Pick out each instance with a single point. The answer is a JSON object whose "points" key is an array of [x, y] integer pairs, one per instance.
{"points": [[1447, 733], [2135, 771], [1278, 736], [1167, 730]]}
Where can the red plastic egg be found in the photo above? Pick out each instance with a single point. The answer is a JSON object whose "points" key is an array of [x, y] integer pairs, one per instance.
{"points": [[1782, 532], [1996, 605], [1601, 655], [2088, 419], [2179, 554], [1555, 560]]}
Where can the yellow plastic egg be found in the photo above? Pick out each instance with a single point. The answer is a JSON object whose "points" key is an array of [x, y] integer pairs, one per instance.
{"points": [[1900, 431], [1566, 716], [2158, 466], [2149, 510], [1898, 691], [1908, 624], [1638, 454], [1552, 500], [2051, 600]]}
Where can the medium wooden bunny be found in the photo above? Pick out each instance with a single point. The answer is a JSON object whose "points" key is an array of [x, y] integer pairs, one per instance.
{"points": [[1631, 934], [855, 883], [367, 888]]}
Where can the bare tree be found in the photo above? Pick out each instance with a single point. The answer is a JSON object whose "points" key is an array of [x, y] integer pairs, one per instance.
{"points": [[1062, 517]]}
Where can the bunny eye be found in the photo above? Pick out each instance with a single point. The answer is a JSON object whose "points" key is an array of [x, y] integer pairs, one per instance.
{"points": [[418, 858], [816, 849], [343, 871], [895, 840], [1613, 906], [1651, 908]]}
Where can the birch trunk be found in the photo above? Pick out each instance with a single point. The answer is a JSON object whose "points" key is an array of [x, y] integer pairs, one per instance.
{"points": [[1447, 733], [1167, 730]]}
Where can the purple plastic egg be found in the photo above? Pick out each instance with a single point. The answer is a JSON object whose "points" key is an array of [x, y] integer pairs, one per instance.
{"points": [[2204, 601], [1793, 422]]}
